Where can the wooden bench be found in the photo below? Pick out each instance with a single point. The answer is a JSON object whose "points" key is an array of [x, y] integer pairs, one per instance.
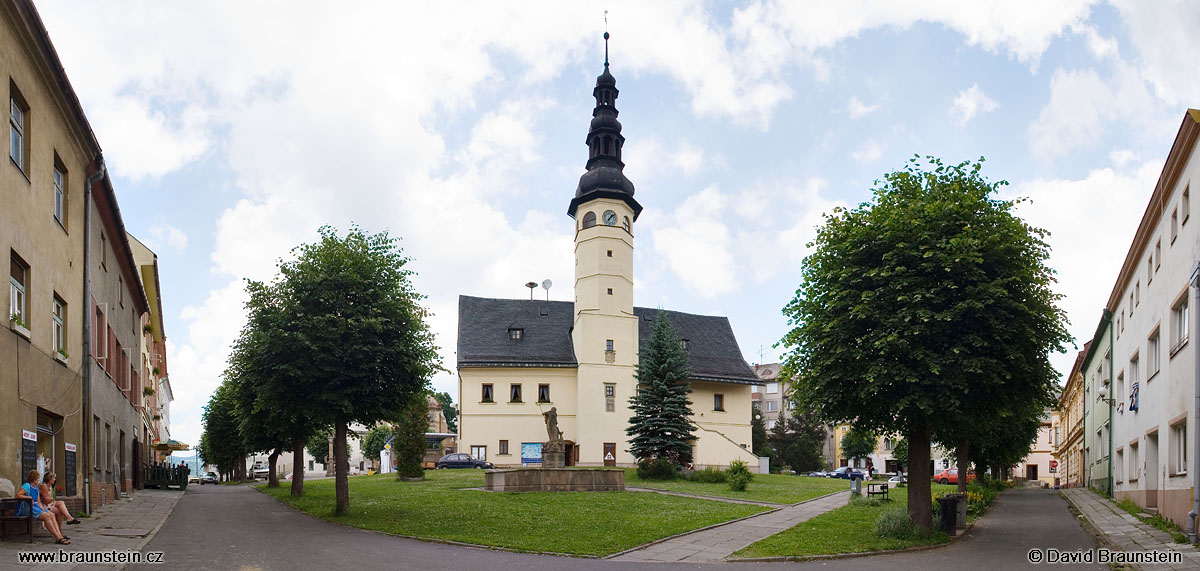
{"points": [[878, 490], [11, 505]]}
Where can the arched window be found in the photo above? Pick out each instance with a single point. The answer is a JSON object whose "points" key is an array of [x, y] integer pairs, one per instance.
{"points": [[626, 225], [589, 219], [607, 142]]}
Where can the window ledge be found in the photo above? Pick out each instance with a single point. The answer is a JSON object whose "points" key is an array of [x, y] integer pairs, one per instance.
{"points": [[545, 402], [60, 357], [487, 402], [1178, 346], [20, 169], [1179, 474], [20, 330], [1152, 375]]}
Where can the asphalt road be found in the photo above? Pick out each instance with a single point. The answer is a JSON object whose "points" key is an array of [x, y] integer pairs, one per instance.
{"points": [[235, 527]]}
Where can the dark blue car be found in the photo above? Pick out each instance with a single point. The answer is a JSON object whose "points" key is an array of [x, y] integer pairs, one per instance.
{"points": [[847, 473], [459, 460]]}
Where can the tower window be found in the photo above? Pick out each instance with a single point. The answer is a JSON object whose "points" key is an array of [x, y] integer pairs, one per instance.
{"points": [[589, 219], [609, 291], [626, 224], [516, 334], [610, 253]]}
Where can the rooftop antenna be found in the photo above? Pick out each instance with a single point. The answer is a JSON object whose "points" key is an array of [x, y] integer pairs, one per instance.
{"points": [[546, 286], [606, 39], [531, 286]]}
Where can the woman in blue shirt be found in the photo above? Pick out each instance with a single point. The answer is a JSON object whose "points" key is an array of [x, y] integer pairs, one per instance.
{"points": [[30, 490]]}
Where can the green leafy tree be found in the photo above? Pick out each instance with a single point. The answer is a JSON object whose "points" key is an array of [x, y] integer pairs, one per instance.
{"points": [[364, 347], [448, 409], [318, 445], [221, 442], [858, 443], [758, 431], [375, 440], [661, 425], [797, 440], [923, 309], [409, 445]]}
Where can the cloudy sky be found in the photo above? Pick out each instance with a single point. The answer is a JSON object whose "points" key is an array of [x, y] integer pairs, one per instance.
{"points": [[234, 130]]}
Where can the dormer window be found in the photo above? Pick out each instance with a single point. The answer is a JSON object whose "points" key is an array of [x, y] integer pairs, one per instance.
{"points": [[516, 334], [589, 219], [685, 344]]}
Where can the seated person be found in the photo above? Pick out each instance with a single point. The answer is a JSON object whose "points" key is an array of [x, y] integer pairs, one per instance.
{"points": [[30, 490], [57, 507]]}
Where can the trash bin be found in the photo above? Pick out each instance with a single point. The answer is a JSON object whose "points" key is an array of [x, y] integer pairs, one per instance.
{"points": [[855, 486], [948, 509]]}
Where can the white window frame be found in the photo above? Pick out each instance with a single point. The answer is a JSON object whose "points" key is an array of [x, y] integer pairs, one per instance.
{"points": [[479, 452], [60, 195], [772, 406], [769, 424], [772, 388], [1153, 353], [1179, 322], [58, 325], [1179, 452], [16, 127], [18, 297]]}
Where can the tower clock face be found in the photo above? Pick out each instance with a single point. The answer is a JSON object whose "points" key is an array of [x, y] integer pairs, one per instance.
{"points": [[610, 218]]}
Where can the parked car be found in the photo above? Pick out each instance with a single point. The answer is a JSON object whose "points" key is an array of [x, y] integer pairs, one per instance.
{"points": [[847, 473], [260, 470], [209, 478], [459, 460], [899, 479], [818, 474], [950, 476]]}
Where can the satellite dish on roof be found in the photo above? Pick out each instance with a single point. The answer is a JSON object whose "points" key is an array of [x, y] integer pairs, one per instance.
{"points": [[546, 283]]}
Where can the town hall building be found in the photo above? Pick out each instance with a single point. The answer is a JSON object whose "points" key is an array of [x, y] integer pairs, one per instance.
{"points": [[517, 359]]}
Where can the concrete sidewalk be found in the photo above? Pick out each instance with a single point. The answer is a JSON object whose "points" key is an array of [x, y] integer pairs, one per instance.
{"points": [[1124, 532], [124, 525], [717, 543]]}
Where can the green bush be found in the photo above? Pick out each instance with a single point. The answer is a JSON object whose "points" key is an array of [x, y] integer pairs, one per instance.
{"points": [[709, 476], [738, 476], [895, 523], [657, 469]]}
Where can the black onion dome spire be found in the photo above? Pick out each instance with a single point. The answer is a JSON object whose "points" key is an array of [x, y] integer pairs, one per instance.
{"points": [[605, 177]]}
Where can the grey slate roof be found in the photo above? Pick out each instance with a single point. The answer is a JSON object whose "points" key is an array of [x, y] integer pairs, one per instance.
{"points": [[483, 337]]}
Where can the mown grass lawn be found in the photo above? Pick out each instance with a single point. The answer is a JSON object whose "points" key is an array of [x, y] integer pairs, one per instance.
{"points": [[848, 529], [580, 523], [774, 488]]}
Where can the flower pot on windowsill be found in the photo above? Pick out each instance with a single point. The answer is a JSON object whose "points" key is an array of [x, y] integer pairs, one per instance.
{"points": [[17, 325], [61, 357]]}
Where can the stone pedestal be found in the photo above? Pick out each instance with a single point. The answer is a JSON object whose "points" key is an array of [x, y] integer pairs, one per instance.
{"points": [[544, 480], [553, 455]]}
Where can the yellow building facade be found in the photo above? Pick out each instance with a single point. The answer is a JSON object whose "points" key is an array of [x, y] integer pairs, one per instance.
{"points": [[518, 359]]}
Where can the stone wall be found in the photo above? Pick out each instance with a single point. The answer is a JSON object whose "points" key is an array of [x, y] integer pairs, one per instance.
{"points": [[566, 480]]}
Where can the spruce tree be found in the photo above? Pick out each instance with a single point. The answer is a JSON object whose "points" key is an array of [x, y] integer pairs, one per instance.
{"points": [[661, 425]]}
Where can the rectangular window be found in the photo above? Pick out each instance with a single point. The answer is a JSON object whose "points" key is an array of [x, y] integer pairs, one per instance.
{"points": [[772, 406], [1133, 370], [1134, 467], [514, 392], [103, 252], [1149, 269], [610, 390], [1157, 255], [1119, 466], [610, 400], [1179, 322], [772, 388], [58, 318], [503, 448], [1179, 453], [1131, 304], [543, 393], [60, 193], [516, 334], [1119, 392], [1187, 202], [18, 115], [1137, 294], [769, 423], [18, 287], [1153, 357], [719, 402], [1174, 225], [487, 393], [608, 345], [609, 291], [479, 452]]}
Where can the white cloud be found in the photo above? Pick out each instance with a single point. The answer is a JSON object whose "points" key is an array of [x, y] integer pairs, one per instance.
{"points": [[969, 103], [1120, 157], [1163, 33], [1091, 228], [868, 154], [164, 235], [857, 109]]}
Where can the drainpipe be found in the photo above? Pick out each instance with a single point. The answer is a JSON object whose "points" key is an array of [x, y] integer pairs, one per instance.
{"points": [[87, 331], [1192, 515]]}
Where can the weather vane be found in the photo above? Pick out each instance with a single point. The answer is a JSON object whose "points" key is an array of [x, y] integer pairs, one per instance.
{"points": [[606, 38]]}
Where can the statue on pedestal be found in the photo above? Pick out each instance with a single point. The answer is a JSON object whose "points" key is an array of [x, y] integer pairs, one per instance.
{"points": [[552, 449]]}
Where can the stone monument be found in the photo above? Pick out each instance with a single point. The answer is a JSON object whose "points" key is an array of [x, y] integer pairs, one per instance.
{"points": [[553, 450]]}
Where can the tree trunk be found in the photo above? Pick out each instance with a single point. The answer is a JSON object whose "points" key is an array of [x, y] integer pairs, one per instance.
{"points": [[964, 446], [272, 462], [297, 466], [341, 470], [920, 498]]}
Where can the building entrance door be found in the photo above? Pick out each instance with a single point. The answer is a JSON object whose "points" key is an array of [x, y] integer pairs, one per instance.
{"points": [[1152, 470], [1031, 473], [569, 454], [610, 454]]}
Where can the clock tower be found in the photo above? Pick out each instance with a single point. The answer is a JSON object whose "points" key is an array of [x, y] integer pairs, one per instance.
{"points": [[605, 329]]}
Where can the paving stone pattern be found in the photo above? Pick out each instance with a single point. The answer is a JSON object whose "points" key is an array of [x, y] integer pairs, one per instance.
{"points": [[1124, 532], [122, 525], [717, 543]]}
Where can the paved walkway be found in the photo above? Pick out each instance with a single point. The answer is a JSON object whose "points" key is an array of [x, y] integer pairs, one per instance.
{"points": [[717, 543], [123, 525], [1124, 532]]}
